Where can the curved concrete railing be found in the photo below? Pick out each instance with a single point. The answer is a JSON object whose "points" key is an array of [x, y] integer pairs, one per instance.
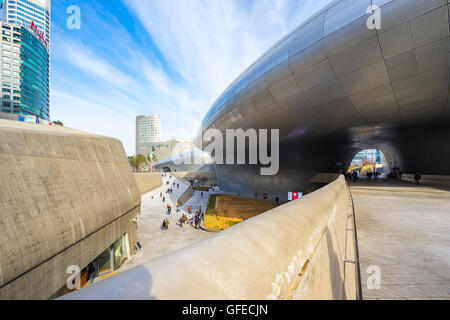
{"points": [[296, 251]]}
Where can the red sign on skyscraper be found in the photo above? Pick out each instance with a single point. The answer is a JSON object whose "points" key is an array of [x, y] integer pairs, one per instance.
{"points": [[34, 27]]}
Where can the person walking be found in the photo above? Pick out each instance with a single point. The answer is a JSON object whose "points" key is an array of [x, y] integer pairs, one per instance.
{"points": [[355, 176], [91, 273], [181, 221], [417, 178]]}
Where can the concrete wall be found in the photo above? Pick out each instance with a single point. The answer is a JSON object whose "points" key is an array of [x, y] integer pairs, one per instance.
{"points": [[65, 197], [147, 181], [295, 251], [438, 181], [187, 195]]}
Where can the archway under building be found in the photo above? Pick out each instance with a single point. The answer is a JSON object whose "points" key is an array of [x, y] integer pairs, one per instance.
{"points": [[373, 162]]}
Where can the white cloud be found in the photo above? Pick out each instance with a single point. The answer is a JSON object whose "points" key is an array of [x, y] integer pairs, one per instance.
{"points": [[204, 45]]}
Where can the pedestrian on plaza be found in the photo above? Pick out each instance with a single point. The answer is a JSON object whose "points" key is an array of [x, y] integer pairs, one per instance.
{"points": [[265, 196], [197, 221], [256, 195], [164, 199], [377, 176], [201, 194], [355, 176], [277, 201], [91, 273], [417, 178]]}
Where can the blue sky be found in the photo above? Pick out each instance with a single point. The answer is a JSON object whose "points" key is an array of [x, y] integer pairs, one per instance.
{"points": [[172, 57]]}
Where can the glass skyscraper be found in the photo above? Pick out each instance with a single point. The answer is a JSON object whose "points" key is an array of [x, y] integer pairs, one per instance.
{"points": [[24, 74], [27, 11]]}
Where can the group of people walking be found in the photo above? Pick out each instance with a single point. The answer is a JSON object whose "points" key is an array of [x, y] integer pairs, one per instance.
{"points": [[195, 220], [165, 225], [370, 175], [375, 175], [199, 216]]}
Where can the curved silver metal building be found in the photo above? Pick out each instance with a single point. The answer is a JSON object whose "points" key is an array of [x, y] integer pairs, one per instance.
{"points": [[334, 86]]}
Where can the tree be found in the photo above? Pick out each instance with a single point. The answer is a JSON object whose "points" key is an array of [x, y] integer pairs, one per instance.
{"points": [[132, 161], [140, 160], [58, 123]]}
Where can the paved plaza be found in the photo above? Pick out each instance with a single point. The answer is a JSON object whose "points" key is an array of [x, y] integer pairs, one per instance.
{"points": [[156, 242], [403, 229]]}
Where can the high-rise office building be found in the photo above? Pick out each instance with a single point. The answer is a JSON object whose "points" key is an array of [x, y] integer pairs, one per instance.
{"points": [[148, 130], [26, 12], [24, 80], [25, 73]]}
